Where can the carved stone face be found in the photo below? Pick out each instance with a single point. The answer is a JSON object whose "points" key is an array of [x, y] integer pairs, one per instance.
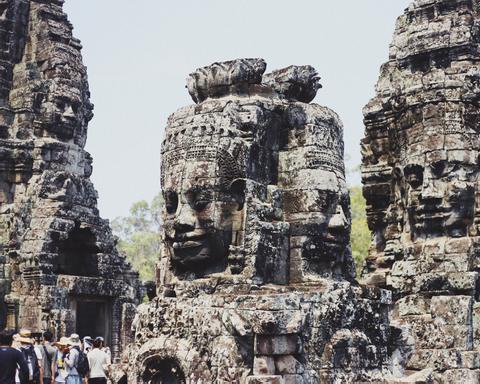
{"points": [[64, 112], [440, 193], [200, 212], [329, 233]]}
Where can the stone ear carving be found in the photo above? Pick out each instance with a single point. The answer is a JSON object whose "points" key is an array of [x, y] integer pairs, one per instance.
{"points": [[237, 187]]}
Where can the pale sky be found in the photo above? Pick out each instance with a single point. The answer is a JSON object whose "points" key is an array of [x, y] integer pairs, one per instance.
{"points": [[139, 53]]}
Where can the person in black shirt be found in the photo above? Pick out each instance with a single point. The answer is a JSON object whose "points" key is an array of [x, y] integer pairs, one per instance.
{"points": [[10, 359]]}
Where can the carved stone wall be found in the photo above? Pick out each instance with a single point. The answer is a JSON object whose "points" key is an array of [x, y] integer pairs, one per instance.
{"points": [[420, 173], [255, 282], [56, 252]]}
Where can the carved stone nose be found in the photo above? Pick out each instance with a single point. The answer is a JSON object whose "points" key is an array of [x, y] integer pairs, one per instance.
{"points": [[339, 220], [68, 112], [185, 219], [430, 191]]}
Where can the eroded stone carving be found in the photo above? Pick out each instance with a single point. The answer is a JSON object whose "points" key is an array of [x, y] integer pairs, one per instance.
{"points": [[255, 278], [53, 241], [420, 170]]}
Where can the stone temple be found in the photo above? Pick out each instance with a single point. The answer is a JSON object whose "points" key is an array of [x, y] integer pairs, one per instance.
{"points": [[256, 281], [421, 181], [59, 267]]}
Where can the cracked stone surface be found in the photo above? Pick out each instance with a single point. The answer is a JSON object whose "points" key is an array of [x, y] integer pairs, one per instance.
{"points": [[52, 241]]}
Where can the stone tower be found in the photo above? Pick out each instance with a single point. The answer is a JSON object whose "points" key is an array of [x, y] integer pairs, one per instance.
{"points": [[421, 181], [255, 282], [59, 267]]}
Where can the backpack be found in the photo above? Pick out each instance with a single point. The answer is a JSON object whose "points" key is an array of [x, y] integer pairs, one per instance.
{"points": [[32, 363], [82, 363]]}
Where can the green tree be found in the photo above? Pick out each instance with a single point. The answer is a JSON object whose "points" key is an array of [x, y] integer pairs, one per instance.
{"points": [[361, 235], [139, 236]]}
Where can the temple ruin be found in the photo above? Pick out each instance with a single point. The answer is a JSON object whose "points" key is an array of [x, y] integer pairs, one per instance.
{"points": [[59, 267], [421, 181], [256, 281]]}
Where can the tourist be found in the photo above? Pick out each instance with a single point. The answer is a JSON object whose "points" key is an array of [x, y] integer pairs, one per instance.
{"points": [[87, 344], [10, 359], [98, 361], [32, 357], [71, 360], [37, 345], [62, 346], [49, 358], [104, 348]]}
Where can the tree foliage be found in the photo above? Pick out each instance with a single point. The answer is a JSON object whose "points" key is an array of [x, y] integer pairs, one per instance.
{"points": [[360, 233], [139, 236]]}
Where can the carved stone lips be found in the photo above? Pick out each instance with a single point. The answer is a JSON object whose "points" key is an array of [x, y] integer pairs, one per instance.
{"points": [[188, 240], [334, 240], [187, 244], [430, 212]]}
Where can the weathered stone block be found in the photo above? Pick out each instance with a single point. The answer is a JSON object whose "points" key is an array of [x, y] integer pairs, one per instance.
{"points": [[459, 245], [294, 379], [278, 345], [404, 268], [265, 380], [470, 359], [226, 352], [437, 359], [476, 324], [412, 305], [263, 365], [460, 376], [288, 364], [452, 309]]}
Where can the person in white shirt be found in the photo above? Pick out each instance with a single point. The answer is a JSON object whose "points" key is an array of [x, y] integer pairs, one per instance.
{"points": [[98, 361]]}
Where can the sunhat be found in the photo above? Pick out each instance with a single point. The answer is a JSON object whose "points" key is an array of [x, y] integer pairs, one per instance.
{"points": [[24, 336], [74, 340], [63, 342]]}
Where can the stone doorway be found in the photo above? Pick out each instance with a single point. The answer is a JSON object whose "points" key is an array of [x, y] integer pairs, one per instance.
{"points": [[92, 317]]}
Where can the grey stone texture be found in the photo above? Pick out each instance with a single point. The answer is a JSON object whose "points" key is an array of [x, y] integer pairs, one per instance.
{"points": [[256, 279], [255, 283], [421, 181], [55, 250]]}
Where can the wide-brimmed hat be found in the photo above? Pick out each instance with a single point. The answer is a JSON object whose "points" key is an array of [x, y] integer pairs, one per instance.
{"points": [[24, 337], [74, 340], [63, 342]]}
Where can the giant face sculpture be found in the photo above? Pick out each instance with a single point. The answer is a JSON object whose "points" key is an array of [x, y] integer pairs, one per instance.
{"points": [[439, 186], [329, 230], [202, 208], [316, 197], [65, 111]]}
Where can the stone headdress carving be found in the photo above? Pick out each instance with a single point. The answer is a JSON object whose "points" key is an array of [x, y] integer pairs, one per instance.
{"points": [[240, 149]]}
